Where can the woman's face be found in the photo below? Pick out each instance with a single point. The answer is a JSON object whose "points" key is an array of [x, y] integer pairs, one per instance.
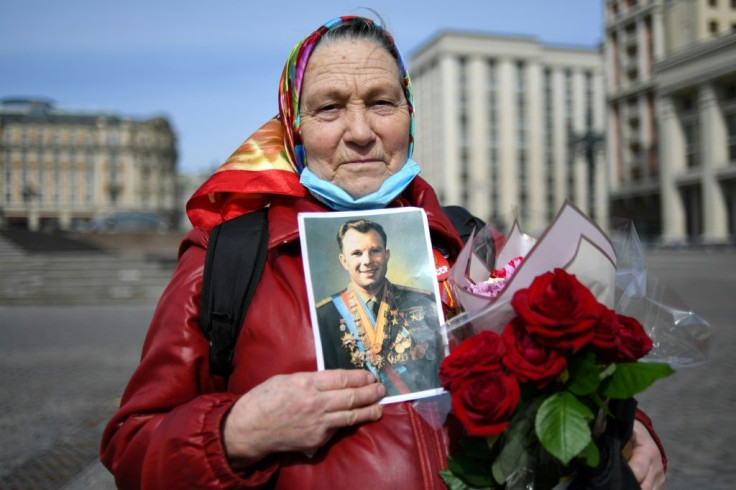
{"points": [[355, 118]]}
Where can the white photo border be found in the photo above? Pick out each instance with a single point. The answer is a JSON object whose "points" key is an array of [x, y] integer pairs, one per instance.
{"points": [[340, 217]]}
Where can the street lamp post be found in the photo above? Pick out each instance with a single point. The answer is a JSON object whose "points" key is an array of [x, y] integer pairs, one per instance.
{"points": [[587, 143], [29, 194]]}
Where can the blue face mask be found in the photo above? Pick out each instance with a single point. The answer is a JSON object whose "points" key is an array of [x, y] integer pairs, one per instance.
{"points": [[339, 200]]}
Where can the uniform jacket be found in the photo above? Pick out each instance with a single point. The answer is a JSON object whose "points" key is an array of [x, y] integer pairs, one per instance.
{"points": [[409, 351]]}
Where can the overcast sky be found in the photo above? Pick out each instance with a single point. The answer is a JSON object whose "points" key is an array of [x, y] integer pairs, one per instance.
{"points": [[212, 67]]}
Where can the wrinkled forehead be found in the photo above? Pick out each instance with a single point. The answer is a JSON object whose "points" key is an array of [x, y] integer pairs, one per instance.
{"points": [[335, 63]]}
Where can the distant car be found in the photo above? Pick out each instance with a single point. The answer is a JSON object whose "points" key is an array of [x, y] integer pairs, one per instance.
{"points": [[130, 222]]}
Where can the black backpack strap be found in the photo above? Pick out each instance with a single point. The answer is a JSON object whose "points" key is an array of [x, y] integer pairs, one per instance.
{"points": [[463, 221], [236, 254]]}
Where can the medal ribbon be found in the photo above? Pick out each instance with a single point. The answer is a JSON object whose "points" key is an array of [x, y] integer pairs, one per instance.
{"points": [[375, 328], [342, 307]]}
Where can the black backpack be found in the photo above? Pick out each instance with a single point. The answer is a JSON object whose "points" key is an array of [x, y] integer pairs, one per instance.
{"points": [[236, 254]]}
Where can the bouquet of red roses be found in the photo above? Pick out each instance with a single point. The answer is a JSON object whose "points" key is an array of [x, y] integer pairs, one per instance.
{"points": [[540, 360]]}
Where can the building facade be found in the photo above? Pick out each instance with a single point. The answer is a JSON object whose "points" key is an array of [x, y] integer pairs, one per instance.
{"points": [[508, 123], [697, 103], [62, 169], [653, 99]]}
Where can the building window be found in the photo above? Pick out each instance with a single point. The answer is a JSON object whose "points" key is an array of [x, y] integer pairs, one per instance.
{"points": [[520, 77], [548, 144], [713, 27], [465, 176], [713, 3], [692, 144], [89, 177], [491, 75], [8, 178], [56, 195], [731, 136], [41, 172]]}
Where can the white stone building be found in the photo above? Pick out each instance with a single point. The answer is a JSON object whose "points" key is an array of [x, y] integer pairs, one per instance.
{"points": [[508, 122], [61, 169], [668, 69]]}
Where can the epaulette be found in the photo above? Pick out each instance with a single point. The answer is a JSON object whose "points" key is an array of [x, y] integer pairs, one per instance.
{"points": [[328, 299], [413, 290]]}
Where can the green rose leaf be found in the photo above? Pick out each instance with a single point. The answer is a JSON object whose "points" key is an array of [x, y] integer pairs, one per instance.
{"points": [[562, 426], [514, 454], [590, 455], [631, 378], [471, 471], [584, 375], [455, 483]]}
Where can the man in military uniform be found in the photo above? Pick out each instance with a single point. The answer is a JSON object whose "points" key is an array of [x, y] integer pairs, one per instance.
{"points": [[390, 330]]}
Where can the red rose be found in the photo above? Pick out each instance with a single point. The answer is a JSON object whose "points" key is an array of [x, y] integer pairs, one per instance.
{"points": [[635, 343], [606, 332], [558, 310], [485, 402], [527, 359], [480, 353]]}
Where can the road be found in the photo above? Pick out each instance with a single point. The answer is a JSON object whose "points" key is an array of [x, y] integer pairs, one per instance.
{"points": [[63, 370]]}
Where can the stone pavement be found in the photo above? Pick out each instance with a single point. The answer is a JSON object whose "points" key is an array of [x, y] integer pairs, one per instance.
{"points": [[62, 370]]}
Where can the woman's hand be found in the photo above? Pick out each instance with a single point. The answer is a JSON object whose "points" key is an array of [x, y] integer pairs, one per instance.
{"points": [[299, 412], [646, 462]]}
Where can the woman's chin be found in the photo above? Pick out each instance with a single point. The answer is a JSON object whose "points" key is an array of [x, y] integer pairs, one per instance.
{"points": [[358, 187]]}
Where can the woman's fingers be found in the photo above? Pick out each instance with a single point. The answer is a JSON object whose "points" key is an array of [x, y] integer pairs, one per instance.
{"points": [[347, 418], [300, 411], [353, 396], [336, 379], [646, 461]]}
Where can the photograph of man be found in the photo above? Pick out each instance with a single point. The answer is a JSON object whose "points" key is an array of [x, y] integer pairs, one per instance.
{"points": [[388, 329]]}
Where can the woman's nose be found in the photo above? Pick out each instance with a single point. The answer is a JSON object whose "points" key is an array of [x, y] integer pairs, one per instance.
{"points": [[359, 130]]}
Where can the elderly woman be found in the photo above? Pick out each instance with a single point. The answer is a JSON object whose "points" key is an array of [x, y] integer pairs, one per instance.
{"points": [[342, 140]]}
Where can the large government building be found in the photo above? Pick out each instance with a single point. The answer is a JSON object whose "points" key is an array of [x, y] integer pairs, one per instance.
{"points": [[510, 123], [62, 169]]}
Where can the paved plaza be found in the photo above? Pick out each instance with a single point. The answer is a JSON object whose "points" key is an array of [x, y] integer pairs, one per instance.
{"points": [[62, 371]]}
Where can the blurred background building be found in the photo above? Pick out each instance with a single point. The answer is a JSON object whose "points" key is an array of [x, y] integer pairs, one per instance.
{"points": [[671, 138], [507, 121], [643, 128], [62, 170]]}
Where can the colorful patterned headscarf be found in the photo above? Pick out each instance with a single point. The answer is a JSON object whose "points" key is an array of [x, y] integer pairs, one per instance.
{"points": [[270, 160], [291, 87]]}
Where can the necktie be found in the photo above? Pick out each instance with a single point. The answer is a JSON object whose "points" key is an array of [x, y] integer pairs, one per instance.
{"points": [[374, 306]]}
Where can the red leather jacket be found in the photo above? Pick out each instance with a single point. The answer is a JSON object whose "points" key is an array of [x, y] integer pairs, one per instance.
{"points": [[166, 433]]}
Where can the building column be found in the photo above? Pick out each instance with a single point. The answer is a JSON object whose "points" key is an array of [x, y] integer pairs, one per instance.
{"points": [[535, 173], [580, 164], [600, 177], [480, 165], [451, 163], [642, 62], [658, 33], [508, 180], [561, 149], [671, 152], [712, 137]]}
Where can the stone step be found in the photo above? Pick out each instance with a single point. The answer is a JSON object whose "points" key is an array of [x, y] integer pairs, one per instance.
{"points": [[50, 279]]}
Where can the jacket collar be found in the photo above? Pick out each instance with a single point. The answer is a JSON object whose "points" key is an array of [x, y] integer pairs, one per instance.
{"points": [[283, 215]]}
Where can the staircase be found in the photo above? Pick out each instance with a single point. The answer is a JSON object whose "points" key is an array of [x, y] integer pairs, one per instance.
{"points": [[79, 277]]}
